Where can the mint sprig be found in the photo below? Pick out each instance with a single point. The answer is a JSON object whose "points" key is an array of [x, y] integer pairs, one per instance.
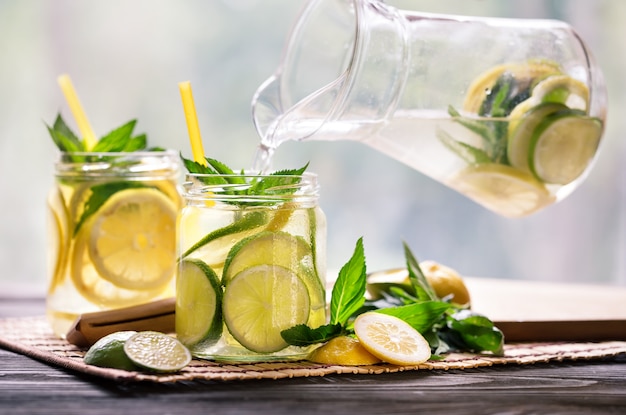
{"points": [[347, 298], [120, 139], [445, 325], [216, 173]]}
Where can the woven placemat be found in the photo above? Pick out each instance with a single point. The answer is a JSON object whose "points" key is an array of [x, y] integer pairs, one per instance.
{"points": [[32, 337]]}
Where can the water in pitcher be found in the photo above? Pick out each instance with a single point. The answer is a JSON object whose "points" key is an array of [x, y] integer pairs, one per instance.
{"points": [[514, 124]]}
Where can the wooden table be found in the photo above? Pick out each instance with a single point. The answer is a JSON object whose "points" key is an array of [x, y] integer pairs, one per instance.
{"points": [[583, 387]]}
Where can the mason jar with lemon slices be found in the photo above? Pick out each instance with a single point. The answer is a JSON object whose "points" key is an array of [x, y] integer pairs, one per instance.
{"points": [[112, 232], [252, 263]]}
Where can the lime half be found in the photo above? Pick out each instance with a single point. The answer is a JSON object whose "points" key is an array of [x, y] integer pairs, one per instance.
{"points": [[262, 301], [109, 352], [157, 352], [198, 303], [563, 145]]}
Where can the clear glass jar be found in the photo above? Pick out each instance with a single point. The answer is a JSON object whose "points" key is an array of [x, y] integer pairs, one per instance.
{"points": [[112, 232], [250, 265]]}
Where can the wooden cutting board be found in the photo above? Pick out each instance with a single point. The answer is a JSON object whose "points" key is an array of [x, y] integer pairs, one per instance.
{"points": [[546, 311]]}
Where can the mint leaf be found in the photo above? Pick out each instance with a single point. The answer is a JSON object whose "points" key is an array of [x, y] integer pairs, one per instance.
{"points": [[349, 289], [469, 153], [279, 182], [477, 332], [116, 140], [303, 335], [136, 143], [421, 316], [423, 290]]}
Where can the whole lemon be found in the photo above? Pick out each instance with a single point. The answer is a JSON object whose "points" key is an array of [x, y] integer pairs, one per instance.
{"points": [[446, 281]]}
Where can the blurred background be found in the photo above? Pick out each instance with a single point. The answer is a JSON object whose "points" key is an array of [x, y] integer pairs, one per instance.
{"points": [[127, 57]]}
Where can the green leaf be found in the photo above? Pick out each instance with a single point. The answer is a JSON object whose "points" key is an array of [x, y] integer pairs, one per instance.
{"points": [[63, 142], [423, 290], [61, 127], [279, 182], [136, 143], [477, 332], [468, 153], [349, 289], [302, 335], [421, 316], [100, 194], [116, 140]]}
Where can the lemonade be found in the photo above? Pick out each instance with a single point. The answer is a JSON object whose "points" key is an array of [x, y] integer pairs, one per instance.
{"points": [[252, 264], [112, 229]]}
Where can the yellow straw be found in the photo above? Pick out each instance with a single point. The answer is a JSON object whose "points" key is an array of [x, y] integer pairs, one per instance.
{"points": [[79, 115], [192, 122]]}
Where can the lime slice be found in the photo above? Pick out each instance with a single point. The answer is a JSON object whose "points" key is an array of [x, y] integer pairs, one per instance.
{"points": [[521, 132], [503, 189], [277, 248], [262, 301], [390, 339], [480, 88], [198, 303], [157, 352], [563, 145], [133, 239], [109, 352]]}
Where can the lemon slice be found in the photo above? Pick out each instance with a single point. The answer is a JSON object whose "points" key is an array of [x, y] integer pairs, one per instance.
{"points": [[521, 131], [157, 352], [562, 89], [563, 145], [345, 351], [198, 303], [503, 189], [89, 283], [481, 87], [391, 339], [278, 248], [132, 239], [58, 238], [262, 301]]}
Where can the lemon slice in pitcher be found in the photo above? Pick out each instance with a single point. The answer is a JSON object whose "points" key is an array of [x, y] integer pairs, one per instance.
{"points": [[503, 189], [262, 301], [132, 239]]}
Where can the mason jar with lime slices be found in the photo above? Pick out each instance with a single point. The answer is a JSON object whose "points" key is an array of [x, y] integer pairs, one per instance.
{"points": [[252, 263], [112, 230]]}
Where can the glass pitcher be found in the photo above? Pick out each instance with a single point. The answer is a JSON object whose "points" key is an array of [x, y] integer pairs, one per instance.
{"points": [[509, 112]]}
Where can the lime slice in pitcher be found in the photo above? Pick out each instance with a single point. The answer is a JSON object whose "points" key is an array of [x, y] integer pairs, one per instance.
{"points": [[262, 301], [563, 145], [198, 303], [521, 129]]}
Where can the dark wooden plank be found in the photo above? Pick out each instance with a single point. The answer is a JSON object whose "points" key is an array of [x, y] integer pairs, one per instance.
{"points": [[28, 386]]}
